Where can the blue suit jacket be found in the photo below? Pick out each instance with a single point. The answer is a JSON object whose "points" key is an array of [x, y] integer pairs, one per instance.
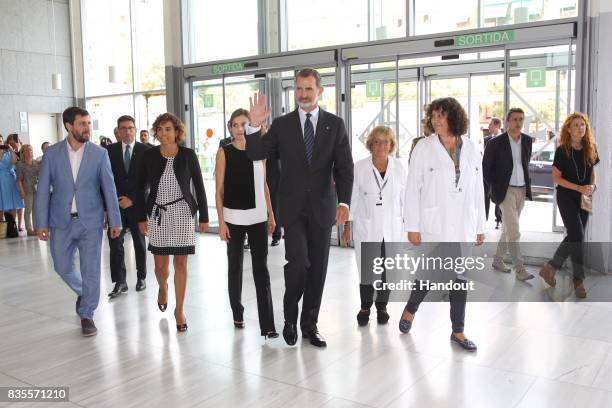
{"points": [[56, 188]]}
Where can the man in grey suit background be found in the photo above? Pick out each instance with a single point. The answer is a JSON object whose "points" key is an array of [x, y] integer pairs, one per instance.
{"points": [[75, 174], [313, 148]]}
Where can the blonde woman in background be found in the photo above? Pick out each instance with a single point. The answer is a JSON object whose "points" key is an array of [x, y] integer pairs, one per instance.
{"points": [[27, 176]]}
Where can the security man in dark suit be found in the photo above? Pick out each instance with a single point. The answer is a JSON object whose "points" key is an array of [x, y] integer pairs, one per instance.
{"points": [[495, 126], [125, 157], [313, 148]]}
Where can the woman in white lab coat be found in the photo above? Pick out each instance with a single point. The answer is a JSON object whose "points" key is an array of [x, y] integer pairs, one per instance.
{"points": [[376, 212], [444, 200]]}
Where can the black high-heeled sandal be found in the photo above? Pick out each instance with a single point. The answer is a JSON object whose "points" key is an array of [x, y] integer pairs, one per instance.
{"points": [[162, 306], [181, 327], [238, 325]]}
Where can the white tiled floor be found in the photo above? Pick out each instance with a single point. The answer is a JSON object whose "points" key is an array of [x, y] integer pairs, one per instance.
{"points": [[530, 354]]}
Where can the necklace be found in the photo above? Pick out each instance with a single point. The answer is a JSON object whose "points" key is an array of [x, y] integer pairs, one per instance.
{"points": [[580, 180]]}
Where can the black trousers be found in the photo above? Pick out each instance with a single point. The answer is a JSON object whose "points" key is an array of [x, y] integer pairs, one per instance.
{"points": [[458, 300], [258, 242], [117, 253], [306, 253], [575, 221], [366, 292], [274, 197]]}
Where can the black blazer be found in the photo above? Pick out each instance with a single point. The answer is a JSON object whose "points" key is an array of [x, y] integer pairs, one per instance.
{"points": [[331, 162], [126, 183], [497, 165], [187, 170]]}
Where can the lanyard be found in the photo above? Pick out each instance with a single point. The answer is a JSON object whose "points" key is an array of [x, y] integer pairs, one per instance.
{"points": [[380, 189]]}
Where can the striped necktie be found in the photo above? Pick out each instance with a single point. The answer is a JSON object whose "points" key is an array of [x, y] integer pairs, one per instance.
{"points": [[126, 158], [309, 137]]}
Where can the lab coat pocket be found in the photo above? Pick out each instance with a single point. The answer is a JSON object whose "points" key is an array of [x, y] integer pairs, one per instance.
{"points": [[430, 220], [361, 229]]}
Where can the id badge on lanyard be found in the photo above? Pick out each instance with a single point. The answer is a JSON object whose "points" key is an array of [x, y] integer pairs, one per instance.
{"points": [[380, 188]]}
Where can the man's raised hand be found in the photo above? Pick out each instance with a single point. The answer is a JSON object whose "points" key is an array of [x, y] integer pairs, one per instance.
{"points": [[258, 111]]}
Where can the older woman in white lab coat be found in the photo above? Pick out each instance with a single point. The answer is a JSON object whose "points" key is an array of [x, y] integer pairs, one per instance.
{"points": [[376, 212], [444, 200]]}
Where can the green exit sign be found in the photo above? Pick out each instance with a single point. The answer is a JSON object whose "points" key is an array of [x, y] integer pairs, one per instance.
{"points": [[373, 89], [491, 38], [536, 78], [228, 67], [209, 101]]}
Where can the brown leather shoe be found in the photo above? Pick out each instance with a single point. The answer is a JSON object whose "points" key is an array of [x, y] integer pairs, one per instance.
{"points": [[548, 274], [579, 289]]}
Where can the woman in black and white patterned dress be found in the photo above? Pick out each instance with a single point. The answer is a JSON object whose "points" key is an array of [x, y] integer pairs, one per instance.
{"points": [[167, 215]]}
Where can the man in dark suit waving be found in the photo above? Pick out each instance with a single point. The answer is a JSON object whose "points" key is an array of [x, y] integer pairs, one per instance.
{"points": [[125, 157], [313, 148], [505, 167]]}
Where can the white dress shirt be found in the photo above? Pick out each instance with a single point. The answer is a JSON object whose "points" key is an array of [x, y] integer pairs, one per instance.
{"points": [[518, 178], [75, 157]]}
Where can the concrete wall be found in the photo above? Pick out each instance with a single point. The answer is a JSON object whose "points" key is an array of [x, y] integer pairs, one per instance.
{"points": [[27, 63]]}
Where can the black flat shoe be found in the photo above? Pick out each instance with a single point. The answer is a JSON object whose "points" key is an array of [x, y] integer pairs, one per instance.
{"points": [[466, 344], [270, 335], [363, 317], [382, 317], [404, 324], [163, 306], [238, 325], [275, 242]]}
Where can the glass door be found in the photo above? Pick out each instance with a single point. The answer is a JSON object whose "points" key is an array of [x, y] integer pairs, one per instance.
{"points": [[541, 83], [214, 100]]}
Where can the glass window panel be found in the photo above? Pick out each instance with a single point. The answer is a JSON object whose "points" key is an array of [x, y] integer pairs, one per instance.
{"points": [[148, 107], [342, 22], [149, 45], [373, 103], [107, 47], [388, 19], [502, 12], [450, 87], [487, 101], [104, 113], [438, 16], [209, 128], [408, 124], [222, 29]]}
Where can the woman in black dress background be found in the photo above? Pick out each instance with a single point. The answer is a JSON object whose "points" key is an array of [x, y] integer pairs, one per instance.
{"points": [[574, 174]]}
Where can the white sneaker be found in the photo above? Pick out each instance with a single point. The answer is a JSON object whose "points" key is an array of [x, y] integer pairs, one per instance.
{"points": [[500, 266], [523, 275]]}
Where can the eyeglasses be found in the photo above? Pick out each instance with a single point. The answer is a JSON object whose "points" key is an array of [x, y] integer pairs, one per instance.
{"points": [[381, 142]]}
